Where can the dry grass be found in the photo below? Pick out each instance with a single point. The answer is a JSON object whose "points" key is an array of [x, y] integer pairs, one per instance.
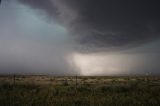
{"points": [[90, 91]]}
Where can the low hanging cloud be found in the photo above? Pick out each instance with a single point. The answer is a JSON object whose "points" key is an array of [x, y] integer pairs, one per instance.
{"points": [[106, 24], [62, 37], [30, 45]]}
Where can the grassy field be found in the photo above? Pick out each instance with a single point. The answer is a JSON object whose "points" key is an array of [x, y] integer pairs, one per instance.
{"points": [[79, 91]]}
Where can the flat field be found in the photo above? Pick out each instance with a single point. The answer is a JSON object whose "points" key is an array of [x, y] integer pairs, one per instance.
{"points": [[28, 90]]}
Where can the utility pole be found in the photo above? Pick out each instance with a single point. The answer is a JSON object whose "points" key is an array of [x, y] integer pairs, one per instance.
{"points": [[14, 79], [76, 84]]}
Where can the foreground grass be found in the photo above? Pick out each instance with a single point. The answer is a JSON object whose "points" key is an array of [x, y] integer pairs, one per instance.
{"points": [[89, 91]]}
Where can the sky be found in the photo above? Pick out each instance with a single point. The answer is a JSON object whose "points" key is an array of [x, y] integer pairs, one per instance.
{"points": [[80, 37]]}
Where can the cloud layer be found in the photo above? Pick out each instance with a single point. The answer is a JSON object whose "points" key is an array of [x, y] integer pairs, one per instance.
{"points": [[62, 37], [28, 44], [100, 25]]}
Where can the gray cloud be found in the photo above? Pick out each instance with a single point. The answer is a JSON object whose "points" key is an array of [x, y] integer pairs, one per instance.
{"points": [[100, 25], [53, 36], [28, 44]]}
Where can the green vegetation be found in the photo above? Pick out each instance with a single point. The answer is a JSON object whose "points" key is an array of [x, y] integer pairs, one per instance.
{"points": [[89, 91]]}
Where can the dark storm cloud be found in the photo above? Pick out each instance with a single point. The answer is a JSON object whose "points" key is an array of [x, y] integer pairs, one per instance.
{"points": [[106, 23], [61, 37], [28, 44]]}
